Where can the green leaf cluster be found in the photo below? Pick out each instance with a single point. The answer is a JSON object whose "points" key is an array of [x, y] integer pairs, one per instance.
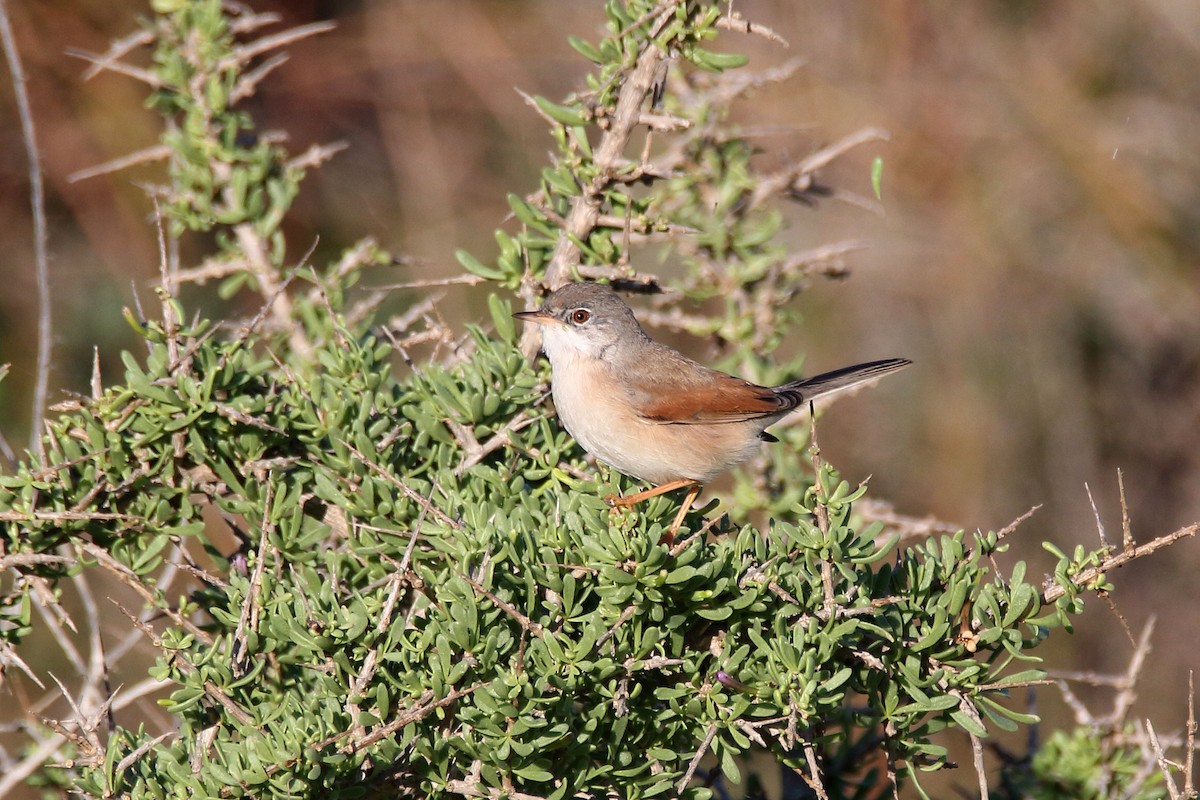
{"points": [[573, 652], [221, 172], [1079, 765], [577, 122], [407, 585]]}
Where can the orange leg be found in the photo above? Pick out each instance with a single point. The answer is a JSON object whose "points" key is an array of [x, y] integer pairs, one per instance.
{"points": [[634, 499], [668, 538], [693, 488]]}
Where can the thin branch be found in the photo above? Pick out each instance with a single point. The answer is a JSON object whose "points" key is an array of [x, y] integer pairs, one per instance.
{"points": [[62, 516], [1052, 593], [821, 510], [102, 63], [691, 770], [158, 152], [733, 21], [474, 451], [664, 122], [255, 248], [464, 280], [586, 209], [131, 579], [317, 154], [1164, 763], [409, 717], [1016, 523], [118, 50], [625, 615], [1126, 531], [29, 559], [798, 177], [827, 260], [1189, 787], [525, 622], [245, 21], [177, 657], [813, 779], [249, 616], [246, 52], [1096, 514], [52, 611], [142, 749], [249, 81], [905, 526], [15, 775], [425, 502], [8, 655], [1126, 697], [41, 235]]}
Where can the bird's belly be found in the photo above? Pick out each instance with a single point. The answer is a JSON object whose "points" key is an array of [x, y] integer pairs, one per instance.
{"points": [[609, 429]]}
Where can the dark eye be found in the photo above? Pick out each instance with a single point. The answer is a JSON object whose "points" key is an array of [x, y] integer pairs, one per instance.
{"points": [[580, 316]]}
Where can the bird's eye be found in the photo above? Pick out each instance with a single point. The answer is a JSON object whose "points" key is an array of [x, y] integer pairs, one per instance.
{"points": [[580, 316]]}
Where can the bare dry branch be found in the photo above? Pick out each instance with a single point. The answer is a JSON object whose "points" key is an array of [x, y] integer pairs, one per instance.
{"points": [[41, 234], [709, 735], [255, 249], [425, 502], [317, 154], [248, 51], [131, 579], [1189, 787], [1126, 531], [474, 451], [813, 778], [176, 656], [158, 152], [249, 81], [103, 63], [248, 619], [1164, 763], [118, 50], [798, 177], [1096, 515]]}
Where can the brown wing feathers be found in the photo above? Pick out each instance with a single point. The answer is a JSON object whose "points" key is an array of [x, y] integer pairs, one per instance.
{"points": [[727, 399], [724, 398]]}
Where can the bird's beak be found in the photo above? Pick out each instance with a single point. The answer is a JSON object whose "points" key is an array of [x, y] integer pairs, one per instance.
{"points": [[538, 316]]}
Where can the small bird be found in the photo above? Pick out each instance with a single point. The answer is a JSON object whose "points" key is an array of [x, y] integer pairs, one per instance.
{"points": [[649, 411]]}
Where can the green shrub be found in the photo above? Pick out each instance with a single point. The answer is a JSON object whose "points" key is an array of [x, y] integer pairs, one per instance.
{"points": [[429, 595]]}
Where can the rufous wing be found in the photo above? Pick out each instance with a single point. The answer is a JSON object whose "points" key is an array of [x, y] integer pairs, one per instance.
{"points": [[718, 398], [702, 395]]}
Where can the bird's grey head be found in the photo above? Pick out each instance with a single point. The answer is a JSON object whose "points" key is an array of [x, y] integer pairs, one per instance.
{"points": [[584, 319]]}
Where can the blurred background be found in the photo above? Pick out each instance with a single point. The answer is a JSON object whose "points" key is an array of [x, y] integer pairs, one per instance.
{"points": [[1038, 256]]}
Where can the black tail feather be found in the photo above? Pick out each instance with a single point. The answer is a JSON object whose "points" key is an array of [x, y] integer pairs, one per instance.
{"points": [[807, 390]]}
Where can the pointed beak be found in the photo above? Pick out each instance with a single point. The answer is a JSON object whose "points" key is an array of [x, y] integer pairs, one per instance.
{"points": [[537, 316]]}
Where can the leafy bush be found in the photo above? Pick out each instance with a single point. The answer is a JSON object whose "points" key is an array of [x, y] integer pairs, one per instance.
{"points": [[428, 595]]}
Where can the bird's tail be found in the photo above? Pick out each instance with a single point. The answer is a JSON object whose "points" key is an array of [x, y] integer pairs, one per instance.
{"points": [[808, 389]]}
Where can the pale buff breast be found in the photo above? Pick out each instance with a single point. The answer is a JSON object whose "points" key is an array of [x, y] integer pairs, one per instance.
{"points": [[608, 428]]}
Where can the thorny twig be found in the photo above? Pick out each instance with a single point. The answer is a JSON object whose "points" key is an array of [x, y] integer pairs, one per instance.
{"points": [[1085, 577]]}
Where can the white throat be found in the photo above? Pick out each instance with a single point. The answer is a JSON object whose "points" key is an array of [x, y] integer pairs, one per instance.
{"points": [[564, 345]]}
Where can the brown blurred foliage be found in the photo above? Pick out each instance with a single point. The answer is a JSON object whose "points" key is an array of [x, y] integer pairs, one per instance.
{"points": [[1038, 257]]}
